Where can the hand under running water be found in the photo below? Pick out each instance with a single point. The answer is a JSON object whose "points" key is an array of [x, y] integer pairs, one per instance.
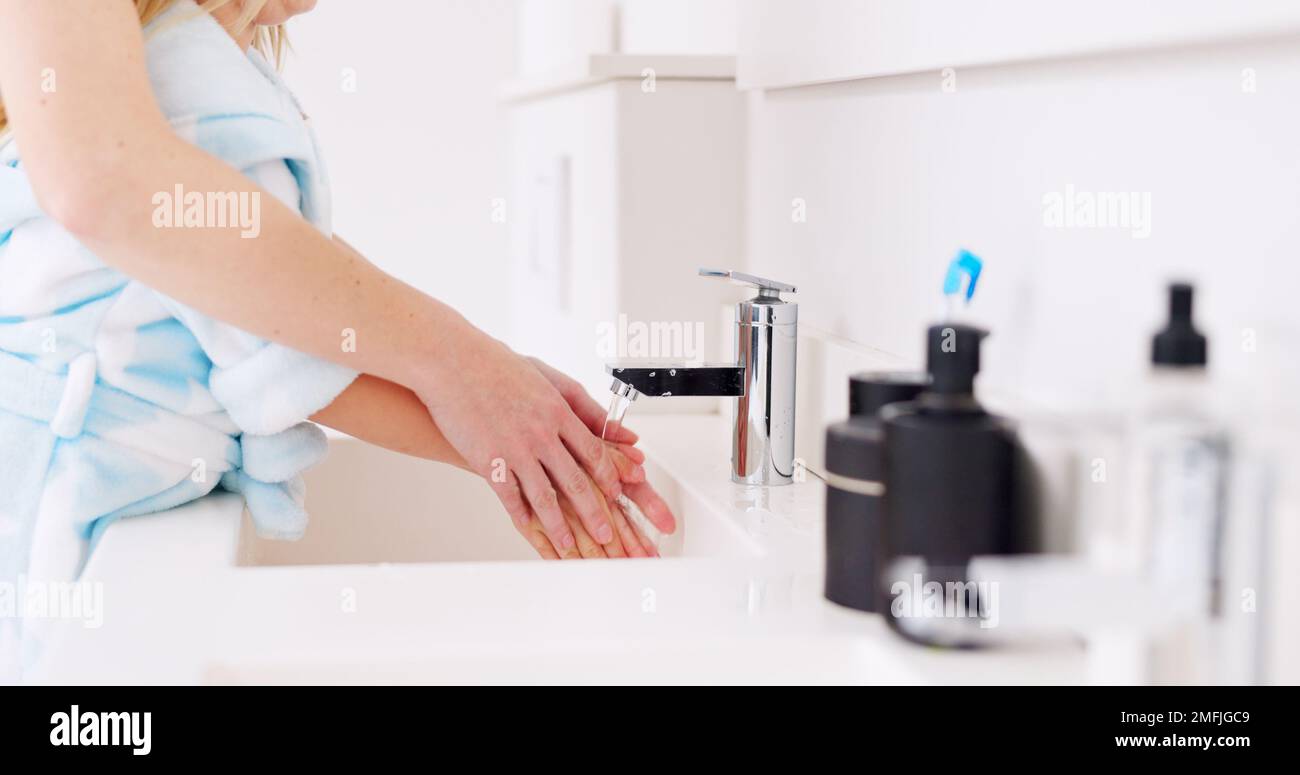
{"points": [[627, 459], [630, 541], [392, 416]]}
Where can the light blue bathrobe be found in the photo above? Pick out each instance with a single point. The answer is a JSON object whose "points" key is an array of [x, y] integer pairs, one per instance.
{"points": [[117, 401]]}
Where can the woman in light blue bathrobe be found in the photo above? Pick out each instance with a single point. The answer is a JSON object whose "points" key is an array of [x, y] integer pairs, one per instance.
{"points": [[128, 235]]}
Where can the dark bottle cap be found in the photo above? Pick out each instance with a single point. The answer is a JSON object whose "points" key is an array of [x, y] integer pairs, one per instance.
{"points": [[853, 447], [870, 391], [1179, 343], [953, 358]]}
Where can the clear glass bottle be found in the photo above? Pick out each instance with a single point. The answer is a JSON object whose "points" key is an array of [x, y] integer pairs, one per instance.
{"points": [[1181, 466]]}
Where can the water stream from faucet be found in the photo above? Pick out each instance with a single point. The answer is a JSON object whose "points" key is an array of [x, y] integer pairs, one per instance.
{"points": [[618, 406]]}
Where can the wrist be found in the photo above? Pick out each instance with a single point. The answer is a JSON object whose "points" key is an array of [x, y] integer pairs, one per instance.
{"points": [[448, 351]]}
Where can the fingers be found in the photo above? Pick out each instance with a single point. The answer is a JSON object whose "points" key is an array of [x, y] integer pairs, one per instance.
{"points": [[615, 550], [631, 453], [649, 546], [578, 489], [532, 532], [638, 490], [593, 454], [628, 471], [546, 506], [587, 548], [511, 497], [572, 537], [611, 429], [628, 540], [614, 430], [583, 405], [535, 534], [654, 508]]}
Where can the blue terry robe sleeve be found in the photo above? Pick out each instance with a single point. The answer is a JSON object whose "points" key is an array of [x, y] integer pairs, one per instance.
{"points": [[117, 401]]}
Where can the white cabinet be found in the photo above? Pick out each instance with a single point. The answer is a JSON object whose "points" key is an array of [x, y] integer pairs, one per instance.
{"points": [[626, 179]]}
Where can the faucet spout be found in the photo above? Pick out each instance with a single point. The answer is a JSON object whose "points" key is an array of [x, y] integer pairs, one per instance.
{"points": [[761, 379], [670, 379]]}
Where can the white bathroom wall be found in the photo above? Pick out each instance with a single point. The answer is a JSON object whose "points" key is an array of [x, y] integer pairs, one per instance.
{"points": [[897, 174], [554, 34], [678, 26], [819, 41], [862, 190], [404, 99]]}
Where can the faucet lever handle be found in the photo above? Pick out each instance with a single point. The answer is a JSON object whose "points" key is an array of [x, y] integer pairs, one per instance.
{"points": [[769, 289]]}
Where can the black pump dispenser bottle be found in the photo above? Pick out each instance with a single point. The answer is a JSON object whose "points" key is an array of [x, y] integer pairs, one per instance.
{"points": [[950, 495], [855, 471]]}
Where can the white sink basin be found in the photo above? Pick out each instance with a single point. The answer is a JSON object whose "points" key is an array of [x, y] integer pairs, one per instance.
{"points": [[861, 652], [407, 574], [368, 505]]}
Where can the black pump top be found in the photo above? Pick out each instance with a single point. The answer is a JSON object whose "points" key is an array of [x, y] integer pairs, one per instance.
{"points": [[1179, 343], [953, 358]]}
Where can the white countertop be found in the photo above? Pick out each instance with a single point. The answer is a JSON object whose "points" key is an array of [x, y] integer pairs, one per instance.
{"points": [[178, 609]]}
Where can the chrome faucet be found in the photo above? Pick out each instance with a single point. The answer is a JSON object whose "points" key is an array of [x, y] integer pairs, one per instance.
{"points": [[761, 380]]}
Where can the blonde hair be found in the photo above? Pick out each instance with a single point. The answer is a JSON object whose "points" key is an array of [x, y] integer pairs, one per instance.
{"points": [[271, 41]]}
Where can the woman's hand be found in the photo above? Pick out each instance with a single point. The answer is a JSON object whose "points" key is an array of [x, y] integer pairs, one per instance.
{"points": [[515, 429], [629, 540], [590, 412], [627, 459], [392, 416]]}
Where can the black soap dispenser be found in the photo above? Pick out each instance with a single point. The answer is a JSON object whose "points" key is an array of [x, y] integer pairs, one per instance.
{"points": [[855, 471], [951, 494]]}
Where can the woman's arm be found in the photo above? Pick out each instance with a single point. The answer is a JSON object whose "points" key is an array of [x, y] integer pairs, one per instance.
{"points": [[97, 149], [388, 415]]}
